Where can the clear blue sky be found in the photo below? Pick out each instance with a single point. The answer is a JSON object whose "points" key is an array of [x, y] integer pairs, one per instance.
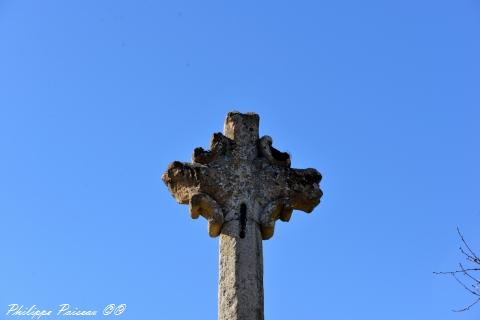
{"points": [[97, 97]]}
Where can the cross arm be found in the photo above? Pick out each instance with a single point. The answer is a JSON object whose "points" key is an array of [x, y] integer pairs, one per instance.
{"points": [[302, 192], [303, 189], [189, 184]]}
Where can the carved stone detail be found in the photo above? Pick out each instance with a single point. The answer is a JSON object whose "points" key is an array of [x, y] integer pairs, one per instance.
{"points": [[203, 204], [271, 154]]}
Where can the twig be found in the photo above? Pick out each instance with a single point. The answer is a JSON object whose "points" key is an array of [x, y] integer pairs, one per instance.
{"points": [[473, 283]]}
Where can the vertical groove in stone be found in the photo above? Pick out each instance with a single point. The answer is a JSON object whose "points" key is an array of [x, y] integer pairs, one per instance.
{"points": [[243, 220], [240, 292]]}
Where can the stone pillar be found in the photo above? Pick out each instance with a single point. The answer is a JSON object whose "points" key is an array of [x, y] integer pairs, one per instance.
{"points": [[240, 283]]}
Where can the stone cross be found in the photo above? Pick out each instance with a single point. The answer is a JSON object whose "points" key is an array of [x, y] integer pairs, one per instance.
{"points": [[242, 186]]}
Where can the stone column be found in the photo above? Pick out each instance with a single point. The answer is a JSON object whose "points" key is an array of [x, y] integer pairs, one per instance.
{"points": [[240, 283]]}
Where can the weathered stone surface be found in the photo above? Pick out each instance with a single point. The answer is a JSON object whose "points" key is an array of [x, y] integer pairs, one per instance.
{"points": [[242, 186]]}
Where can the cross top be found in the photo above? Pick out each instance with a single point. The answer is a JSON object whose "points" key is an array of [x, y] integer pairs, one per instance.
{"points": [[242, 173], [242, 186]]}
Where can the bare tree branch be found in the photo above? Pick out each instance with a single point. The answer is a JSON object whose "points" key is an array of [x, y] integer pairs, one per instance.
{"points": [[467, 307], [473, 256], [470, 274]]}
